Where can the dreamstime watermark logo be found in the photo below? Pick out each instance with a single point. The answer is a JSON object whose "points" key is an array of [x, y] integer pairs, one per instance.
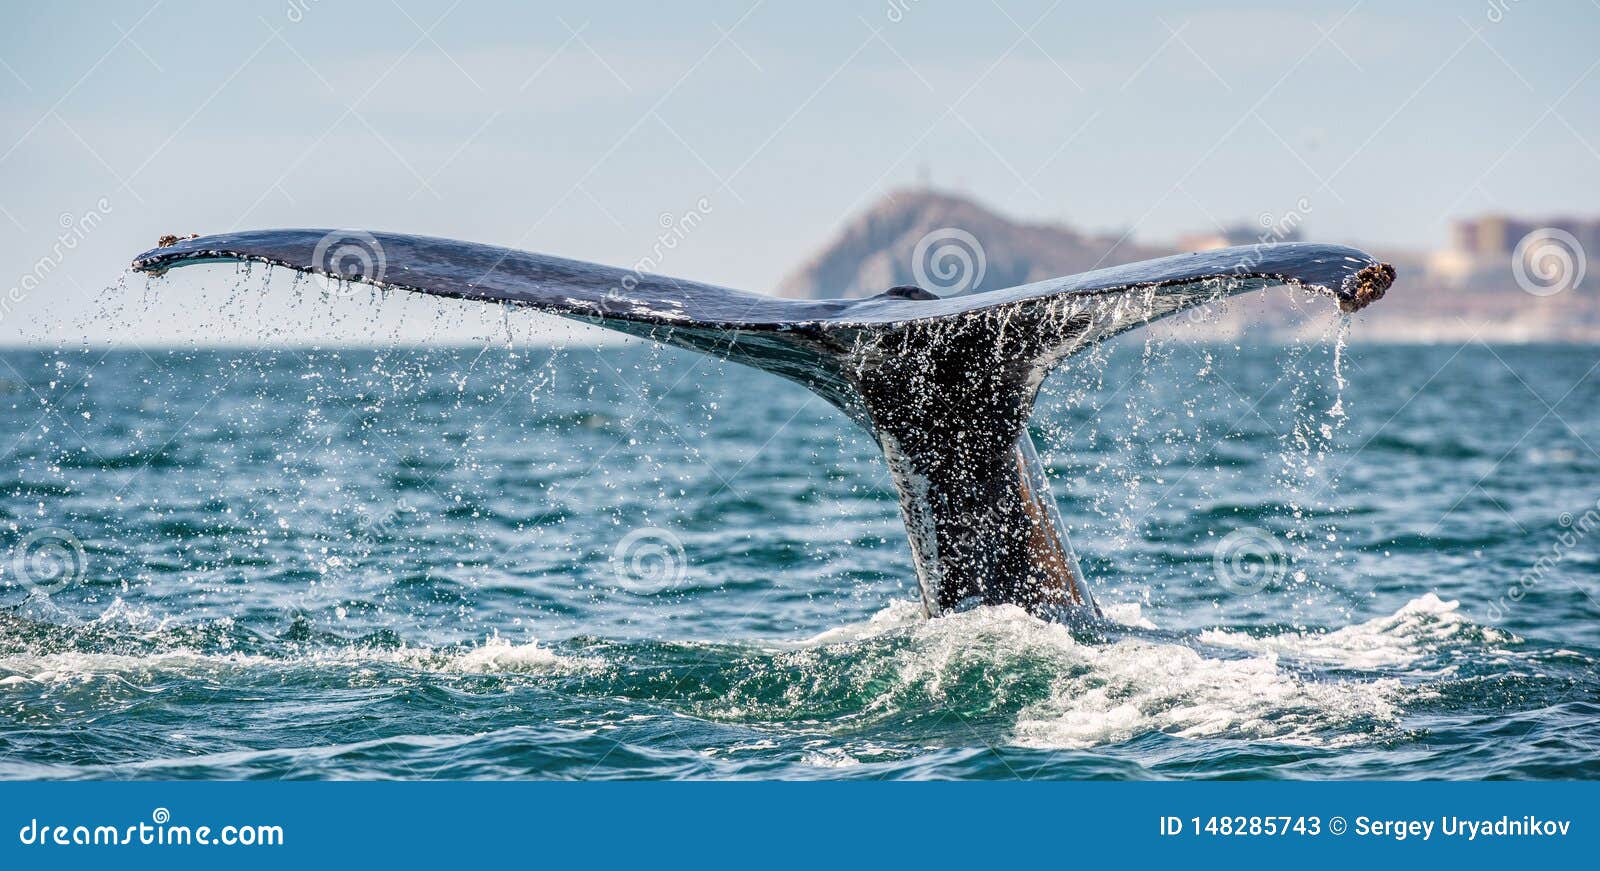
{"points": [[897, 10], [297, 10], [1274, 230], [948, 261], [976, 530], [48, 560], [158, 832], [1548, 261], [674, 230], [74, 229], [1248, 560], [377, 525], [1498, 9], [649, 560], [346, 256], [1574, 529]]}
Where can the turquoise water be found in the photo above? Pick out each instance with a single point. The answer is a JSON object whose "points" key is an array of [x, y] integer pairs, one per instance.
{"points": [[619, 561]]}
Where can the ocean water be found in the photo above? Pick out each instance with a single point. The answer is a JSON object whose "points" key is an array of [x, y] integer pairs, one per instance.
{"points": [[519, 560]]}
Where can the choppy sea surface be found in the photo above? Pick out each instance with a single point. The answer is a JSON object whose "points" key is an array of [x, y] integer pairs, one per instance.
{"points": [[517, 560]]}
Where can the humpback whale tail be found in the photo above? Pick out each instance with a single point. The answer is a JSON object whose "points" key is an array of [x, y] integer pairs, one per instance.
{"points": [[944, 384]]}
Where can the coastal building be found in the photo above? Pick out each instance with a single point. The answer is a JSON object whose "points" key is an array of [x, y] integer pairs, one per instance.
{"points": [[1481, 247]]}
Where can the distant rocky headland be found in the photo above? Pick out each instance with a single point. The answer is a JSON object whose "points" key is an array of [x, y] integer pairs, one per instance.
{"points": [[1501, 278]]}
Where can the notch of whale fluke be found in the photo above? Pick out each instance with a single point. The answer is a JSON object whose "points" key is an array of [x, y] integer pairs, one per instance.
{"points": [[944, 385], [907, 291]]}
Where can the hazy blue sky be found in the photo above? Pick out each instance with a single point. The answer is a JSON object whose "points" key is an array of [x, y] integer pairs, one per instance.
{"points": [[571, 128]]}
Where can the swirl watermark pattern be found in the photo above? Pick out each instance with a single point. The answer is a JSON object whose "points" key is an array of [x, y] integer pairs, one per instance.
{"points": [[948, 261], [649, 560], [1548, 261], [48, 560], [1248, 560], [345, 256]]}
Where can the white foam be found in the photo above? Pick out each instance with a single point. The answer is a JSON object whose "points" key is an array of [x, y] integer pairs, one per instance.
{"points": [[1103, 693], [1418, 630], [498, 655], [901, 613], [829, 758], [494, 656], [1126, 613], [1131, 688], [77, 666], [897, 614], [1068, 693]]}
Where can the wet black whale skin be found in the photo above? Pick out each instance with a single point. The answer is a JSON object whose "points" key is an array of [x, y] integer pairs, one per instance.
{"points": [[944, 384], [468, 270]]}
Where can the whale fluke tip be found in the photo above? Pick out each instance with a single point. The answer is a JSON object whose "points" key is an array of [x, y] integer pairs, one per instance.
{"points": [[1367, 287]]}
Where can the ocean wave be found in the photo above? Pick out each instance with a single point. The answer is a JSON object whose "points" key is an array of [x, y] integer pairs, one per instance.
{"points": [[1421, 630], [895, 677], [125, 642], [1049, 687]]}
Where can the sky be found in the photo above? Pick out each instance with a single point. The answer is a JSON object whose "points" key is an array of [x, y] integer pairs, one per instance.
{"points": [[579, 129]]}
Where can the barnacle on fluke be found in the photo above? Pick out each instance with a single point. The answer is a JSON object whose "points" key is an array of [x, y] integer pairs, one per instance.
{"points": [[1367, 287]]}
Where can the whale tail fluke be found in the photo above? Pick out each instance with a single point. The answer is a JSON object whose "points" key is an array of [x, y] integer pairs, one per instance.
{"points": [[944, 384]]}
